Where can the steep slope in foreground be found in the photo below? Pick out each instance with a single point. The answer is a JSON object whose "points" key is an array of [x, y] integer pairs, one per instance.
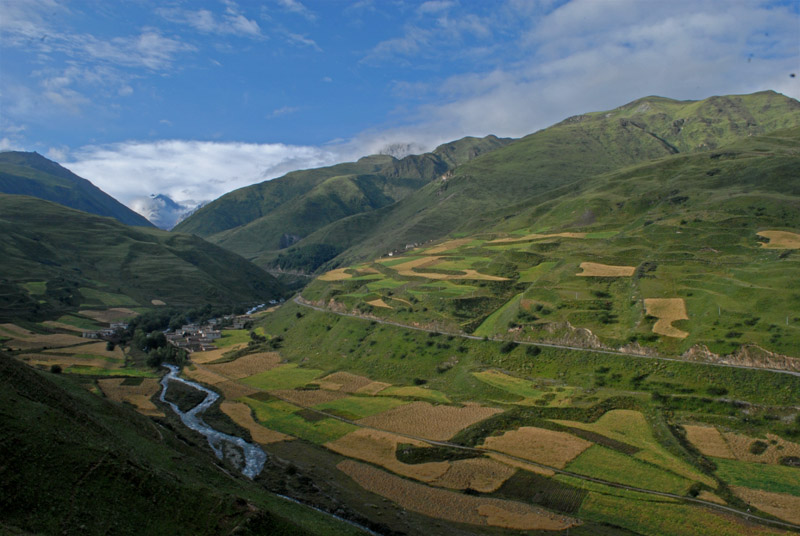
{"points": [[56, 259], [74, 463], [272, 215], [553, 162], [34, 175]]}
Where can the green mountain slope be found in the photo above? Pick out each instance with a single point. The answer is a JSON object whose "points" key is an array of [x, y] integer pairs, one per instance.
{"points": [[274, 214], [552, 162], [55, 259], [683, 228], [74, 463], [34, 175]]}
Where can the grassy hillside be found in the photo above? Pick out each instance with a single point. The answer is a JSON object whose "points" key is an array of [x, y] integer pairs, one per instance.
{"points": [[34, 175], [624, 428], [683, 228], [554, 162], [75, 463], [57, 259], [270, 216]]}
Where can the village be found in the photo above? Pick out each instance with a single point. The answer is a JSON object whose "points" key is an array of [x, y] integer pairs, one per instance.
{"points": [[193, 337]]}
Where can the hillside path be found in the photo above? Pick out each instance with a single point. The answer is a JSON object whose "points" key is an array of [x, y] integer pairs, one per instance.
{"points": [[299, 300]]}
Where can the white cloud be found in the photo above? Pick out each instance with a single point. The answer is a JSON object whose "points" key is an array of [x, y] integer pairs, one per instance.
{"points": [[284, 110], [7, 144], [303, 40], [191, 171], [435, 6], [295, 6], [588, 55], [231, 22]]}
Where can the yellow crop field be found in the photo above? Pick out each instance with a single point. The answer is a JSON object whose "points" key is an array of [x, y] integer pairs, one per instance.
{"points": [[422, 419], [92, 348], [479, 474], [344, 381], [450, 244], [780, 505], [307, 398], [380, 448], [242, 415], [379, 303], [13, 330], [68, 361], [340, 274], [373, 388], [158, 302], [706, 495], [540, 445], [62, 325], [200, 374], [667, 310], [138, 395], [709, 441], [780, 240], [452, 506], [520, 464], [422, 262], [212, 355], [247, 365], [232, 390], [115, 314], [776, 449], [22, 339], [593, 269], [535, 236]]}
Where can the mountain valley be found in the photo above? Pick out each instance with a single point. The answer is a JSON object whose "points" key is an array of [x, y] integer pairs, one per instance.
{"points": [[591, 330]]}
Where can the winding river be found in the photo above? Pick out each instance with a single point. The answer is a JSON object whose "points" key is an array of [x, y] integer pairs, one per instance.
{"points": [[254, 457]]}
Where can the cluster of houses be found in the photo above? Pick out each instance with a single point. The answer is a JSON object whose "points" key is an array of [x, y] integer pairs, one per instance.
{"points": [[200, 338], [194, 337], [106, 333]]}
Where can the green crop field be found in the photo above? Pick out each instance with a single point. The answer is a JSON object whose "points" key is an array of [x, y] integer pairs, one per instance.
{"points": [[358, 407], [775, 478], [283, 417], [601, 462], [283, 377]]}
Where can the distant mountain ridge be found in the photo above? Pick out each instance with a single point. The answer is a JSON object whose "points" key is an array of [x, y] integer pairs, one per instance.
{"points": [[271, 215], [162, 211], [25, 173], [56, 259], [550, 162], [313, 219]]}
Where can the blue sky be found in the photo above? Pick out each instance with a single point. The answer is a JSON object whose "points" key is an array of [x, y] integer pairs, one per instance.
{"points": [[196, 98]]}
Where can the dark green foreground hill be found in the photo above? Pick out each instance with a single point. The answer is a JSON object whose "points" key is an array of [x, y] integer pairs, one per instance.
{"points": [[56, 259], [74, 463], [32, 174]]}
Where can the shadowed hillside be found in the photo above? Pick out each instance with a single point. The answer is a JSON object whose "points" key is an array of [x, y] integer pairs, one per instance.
{"points": [[34, 175], [57, 259]]}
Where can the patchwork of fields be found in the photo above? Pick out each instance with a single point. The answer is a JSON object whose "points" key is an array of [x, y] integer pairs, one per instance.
{"points": [[487, 447], [632, 288]]}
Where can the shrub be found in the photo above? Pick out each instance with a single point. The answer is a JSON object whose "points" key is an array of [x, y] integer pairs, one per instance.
{"points": [[507, 347], [55, 369], [533, 351]]}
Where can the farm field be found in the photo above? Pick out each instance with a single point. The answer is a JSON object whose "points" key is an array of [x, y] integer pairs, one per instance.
{"points": [[135, 391], [452, 506], [641, 287]]}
